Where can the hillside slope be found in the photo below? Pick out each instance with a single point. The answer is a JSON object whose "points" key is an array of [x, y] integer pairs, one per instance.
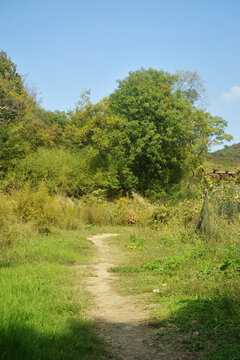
{"points": [[229, 152], [224, 159]]}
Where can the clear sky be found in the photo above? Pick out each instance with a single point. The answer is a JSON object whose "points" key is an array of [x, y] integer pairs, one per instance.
{"points": [[67, 47]]}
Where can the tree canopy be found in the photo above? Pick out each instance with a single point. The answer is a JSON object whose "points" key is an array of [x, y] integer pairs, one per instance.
{"points": [[166, 132]]}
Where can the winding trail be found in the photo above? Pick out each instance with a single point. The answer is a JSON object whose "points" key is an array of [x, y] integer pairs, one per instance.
{"points": [[121, 318]]}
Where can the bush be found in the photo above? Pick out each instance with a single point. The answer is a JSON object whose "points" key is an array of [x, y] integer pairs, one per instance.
{"points": [[60, 170], [44, 210], [123, 211], [11, 227], [71, 173]]}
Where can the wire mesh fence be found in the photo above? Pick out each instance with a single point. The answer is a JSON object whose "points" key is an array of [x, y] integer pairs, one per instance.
{"points": [[219, 203]]}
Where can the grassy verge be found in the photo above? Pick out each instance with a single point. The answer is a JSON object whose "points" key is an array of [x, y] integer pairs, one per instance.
{"points": [[43, 301], [192, 282]]}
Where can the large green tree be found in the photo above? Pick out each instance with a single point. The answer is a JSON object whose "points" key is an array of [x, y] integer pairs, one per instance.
{"points": [[166, 132]]}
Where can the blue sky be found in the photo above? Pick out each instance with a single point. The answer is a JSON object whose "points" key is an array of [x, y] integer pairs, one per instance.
{"points": [[67, 47]]}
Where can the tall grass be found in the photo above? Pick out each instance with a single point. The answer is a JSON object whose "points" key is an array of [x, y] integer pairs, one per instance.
{"points": [[35, 210], [27, 211]]}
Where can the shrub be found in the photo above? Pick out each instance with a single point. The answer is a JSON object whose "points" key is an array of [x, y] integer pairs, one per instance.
{"points": [[60, 170], [44, 210], [11, 227]]}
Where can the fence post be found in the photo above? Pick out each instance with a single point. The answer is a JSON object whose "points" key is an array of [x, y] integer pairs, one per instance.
{"points": [[204, 224]]}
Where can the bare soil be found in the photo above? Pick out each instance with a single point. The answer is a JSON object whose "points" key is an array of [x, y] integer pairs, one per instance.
{"points": [[122, 320]]}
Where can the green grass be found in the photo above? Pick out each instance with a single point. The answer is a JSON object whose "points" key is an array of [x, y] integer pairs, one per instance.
{"points": [[43, 301], [196, 282]]}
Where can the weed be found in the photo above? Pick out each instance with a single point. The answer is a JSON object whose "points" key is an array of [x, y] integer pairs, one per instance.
{"points": [[136, 242]]}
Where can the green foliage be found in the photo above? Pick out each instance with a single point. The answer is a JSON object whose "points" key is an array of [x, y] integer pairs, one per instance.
{"points": [[166, 132], [168, 265], [51, 118]]}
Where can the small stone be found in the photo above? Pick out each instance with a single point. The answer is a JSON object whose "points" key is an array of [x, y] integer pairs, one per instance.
{"points": [[127, 328], [162, 328], [196, 333]]}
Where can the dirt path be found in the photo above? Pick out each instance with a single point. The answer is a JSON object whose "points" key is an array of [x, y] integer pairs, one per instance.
{"points": [[121, 318]]}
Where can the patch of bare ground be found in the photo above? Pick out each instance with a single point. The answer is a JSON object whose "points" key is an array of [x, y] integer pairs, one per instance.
{"points": [[122, 320]]}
